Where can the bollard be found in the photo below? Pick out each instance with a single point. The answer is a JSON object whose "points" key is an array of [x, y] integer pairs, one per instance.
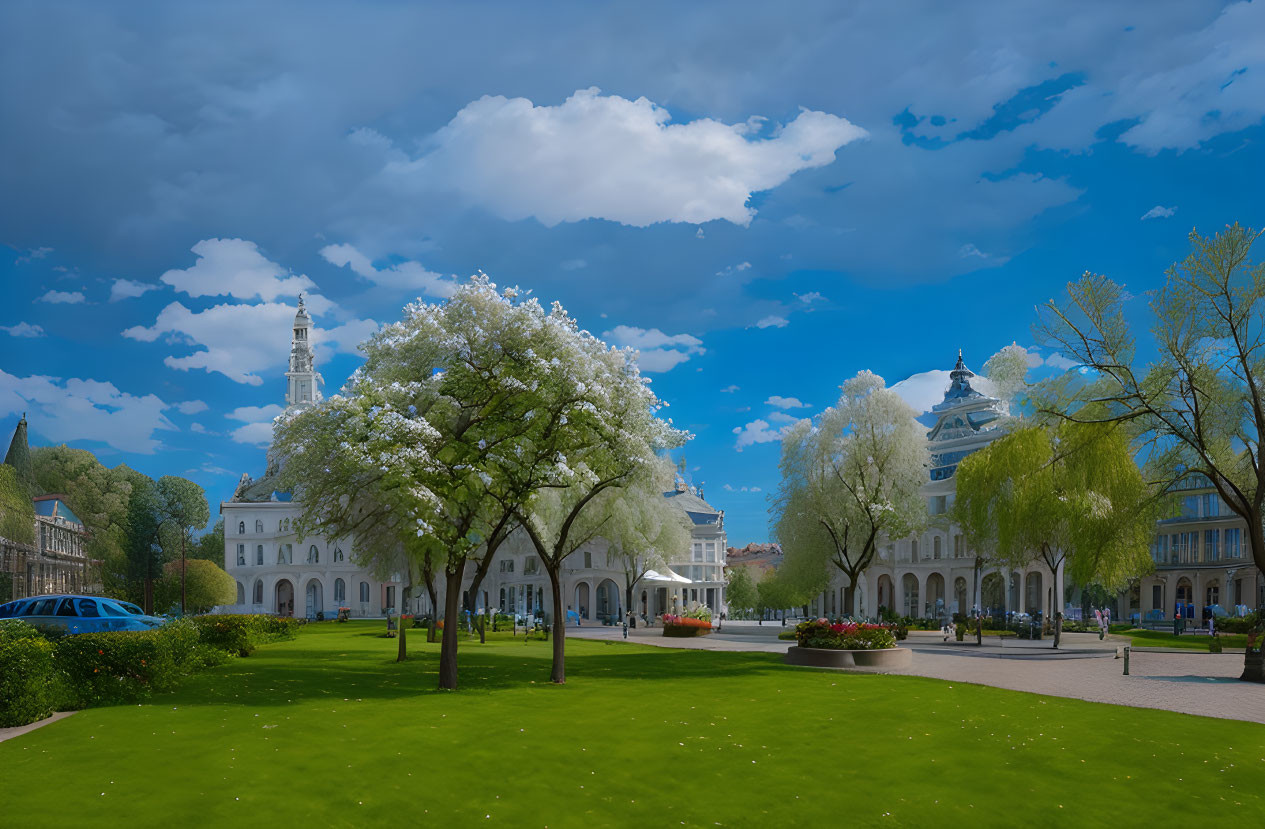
{"points": [[1126, 660], [625, 628]]}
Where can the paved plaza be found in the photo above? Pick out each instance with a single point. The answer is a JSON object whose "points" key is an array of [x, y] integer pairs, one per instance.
{"points": [[1190, 683]]}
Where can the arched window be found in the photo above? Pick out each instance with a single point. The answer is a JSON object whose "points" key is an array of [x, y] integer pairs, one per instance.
{"points": [[285, 554], [259, 554], [241, 555], [364, 591], [259, 591], [241, 527], [340, 591], [338, 553], [241, 593], [935, 547], [313, 555], [259, 525]]}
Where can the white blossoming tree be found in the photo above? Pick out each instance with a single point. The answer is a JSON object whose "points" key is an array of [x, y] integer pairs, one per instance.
{"points": [[596, 429], [850, 478]]}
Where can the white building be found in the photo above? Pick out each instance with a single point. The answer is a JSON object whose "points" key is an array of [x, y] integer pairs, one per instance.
{"points": [[934, 573], [275, 573]]}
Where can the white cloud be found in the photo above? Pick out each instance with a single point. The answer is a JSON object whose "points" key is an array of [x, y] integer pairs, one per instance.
{"points": [[190, 407], [1057, 360], [243, 341], [236, 268], [127, 288], [75, 409], [603, 156], [32, 255], [409, 276], [758, 431], [782, 417], [923, 390], [1159, 212], [772, 321], [258, 420], [198, 428], [22, 329], [970, 251], [656, 351], [729, 488], [730, 389], [62, 297], [733, 269], [810, 297], [785, 402]]}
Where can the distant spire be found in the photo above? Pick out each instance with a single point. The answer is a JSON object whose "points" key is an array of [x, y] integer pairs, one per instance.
{"points": [[19, 457]]}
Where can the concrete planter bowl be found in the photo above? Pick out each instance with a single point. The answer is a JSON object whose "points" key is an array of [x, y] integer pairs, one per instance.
{"points": [[888, 658], [684, 631]]}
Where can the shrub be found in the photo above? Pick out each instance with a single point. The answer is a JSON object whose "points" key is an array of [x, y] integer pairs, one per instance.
{"points": [[28, 675], [1236, 624], [702, 612], [787, 635], [122, 666], [241, 633], [820, 633]]}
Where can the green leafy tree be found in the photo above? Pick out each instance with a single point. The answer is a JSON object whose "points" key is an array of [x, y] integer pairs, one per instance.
{"points": [[1196, 410], [210, 545], [182, 508], [99, 496], [144, 551], [17, 514], [200, 584], [848, 480], [740, 591], [1069, 495]]}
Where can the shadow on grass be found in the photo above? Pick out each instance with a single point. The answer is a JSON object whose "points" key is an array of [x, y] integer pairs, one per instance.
{"points": [[355, 666]]}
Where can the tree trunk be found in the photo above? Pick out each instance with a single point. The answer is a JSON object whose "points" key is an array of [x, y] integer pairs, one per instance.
{"points": [[559, 672], [448, 648], [402, 654], [849, 597], [628, 601], [434, 606]]}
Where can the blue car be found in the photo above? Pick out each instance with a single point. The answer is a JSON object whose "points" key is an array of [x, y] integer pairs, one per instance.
{"points": [[79, 614]]}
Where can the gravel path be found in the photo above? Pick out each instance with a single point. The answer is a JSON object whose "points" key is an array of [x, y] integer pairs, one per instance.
{"points": [[1191, 683]]}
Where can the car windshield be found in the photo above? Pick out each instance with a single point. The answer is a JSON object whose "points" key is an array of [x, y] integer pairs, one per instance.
{"points": [[111, 609], [39, 608], [130, 608]]}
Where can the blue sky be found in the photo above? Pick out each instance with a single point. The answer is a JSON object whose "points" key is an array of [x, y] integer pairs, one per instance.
{"points": [[764, 198]]}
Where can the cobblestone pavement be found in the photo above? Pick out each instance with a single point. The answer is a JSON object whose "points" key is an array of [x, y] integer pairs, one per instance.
{"points": [[1191, 683]]}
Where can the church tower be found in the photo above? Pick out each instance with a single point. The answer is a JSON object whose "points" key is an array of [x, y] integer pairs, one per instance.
{"points": [[302, 381]]}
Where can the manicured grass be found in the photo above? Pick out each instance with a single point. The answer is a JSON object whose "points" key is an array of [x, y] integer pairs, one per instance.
{"points": [[328, 731], [1158, 639]]}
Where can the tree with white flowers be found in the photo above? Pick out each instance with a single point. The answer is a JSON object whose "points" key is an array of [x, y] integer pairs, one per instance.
{"points": [[850, 478]]}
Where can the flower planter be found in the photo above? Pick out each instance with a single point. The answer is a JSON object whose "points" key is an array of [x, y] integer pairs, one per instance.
{"points": [[891, 658], [685, 630]]}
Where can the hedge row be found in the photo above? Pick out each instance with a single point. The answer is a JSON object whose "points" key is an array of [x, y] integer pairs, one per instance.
{"points": [[43, 671]]}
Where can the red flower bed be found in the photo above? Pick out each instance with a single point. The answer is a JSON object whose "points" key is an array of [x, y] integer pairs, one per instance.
{"points": [[821, 633], [685, 626]]}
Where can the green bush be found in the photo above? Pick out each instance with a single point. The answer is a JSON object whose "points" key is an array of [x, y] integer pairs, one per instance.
{"points": [[123, 666], [1236, 624], [28, 675], [241, 633]]}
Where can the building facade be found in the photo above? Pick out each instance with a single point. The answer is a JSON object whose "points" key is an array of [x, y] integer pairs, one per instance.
{"points": [[58, 560], [935, 574], [276, 573], [1201, 560]]}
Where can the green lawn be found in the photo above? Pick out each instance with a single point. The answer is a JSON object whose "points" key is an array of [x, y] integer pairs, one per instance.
{"points": [[1158, 639], [328, 731]]}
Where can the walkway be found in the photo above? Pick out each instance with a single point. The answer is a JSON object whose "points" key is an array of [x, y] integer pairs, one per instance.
{"points": [[1190, 683]]}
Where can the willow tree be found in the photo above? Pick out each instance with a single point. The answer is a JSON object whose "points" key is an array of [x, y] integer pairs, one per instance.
{"points": [[1068, 495], [643, 530], [1196, 410], [850, 478]]}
